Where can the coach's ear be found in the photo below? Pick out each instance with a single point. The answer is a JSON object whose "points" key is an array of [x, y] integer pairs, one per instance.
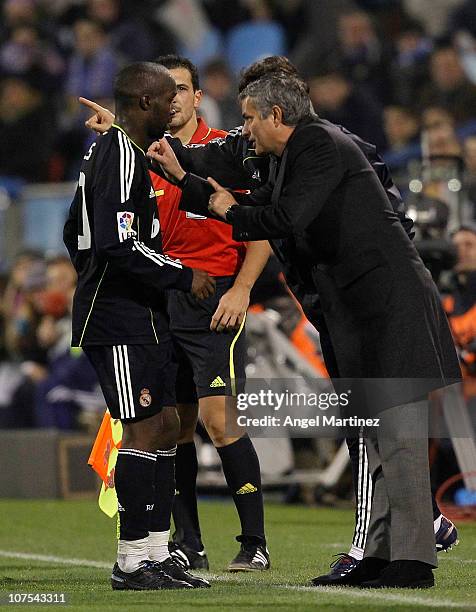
{"points": [[144, 102], [277, 113]]}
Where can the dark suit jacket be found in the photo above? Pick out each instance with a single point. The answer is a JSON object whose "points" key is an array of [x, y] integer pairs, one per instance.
{"points": [[327, 214]]}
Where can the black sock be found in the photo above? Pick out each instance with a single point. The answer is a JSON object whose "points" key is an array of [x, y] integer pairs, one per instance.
{"points": [[164, 490], [242, 473], [185, 511], [134, 481]]}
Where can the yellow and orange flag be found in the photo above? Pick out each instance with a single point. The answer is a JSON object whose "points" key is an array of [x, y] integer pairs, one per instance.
{"points": [[103, 459]]}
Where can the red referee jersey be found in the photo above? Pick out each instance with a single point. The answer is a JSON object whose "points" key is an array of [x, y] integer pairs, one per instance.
{"points": [[199, 242]]}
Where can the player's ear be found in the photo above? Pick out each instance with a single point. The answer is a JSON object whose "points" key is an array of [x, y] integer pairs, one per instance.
{"points": [[144, 102], [197, 98]]}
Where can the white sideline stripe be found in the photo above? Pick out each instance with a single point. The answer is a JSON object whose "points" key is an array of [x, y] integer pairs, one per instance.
{"points": [[357, 593], [373, 594], [9, 554]]}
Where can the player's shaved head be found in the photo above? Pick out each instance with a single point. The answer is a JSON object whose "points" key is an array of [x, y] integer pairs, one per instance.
{"points": [[140, 79], [275, 64]]}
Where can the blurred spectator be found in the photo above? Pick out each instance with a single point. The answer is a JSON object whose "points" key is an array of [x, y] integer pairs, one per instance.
{"points": [[226, 14], [449, 87], [460, 305], [17, 384], [410, 63], [94, 63], [439, 134], [434, 14], [255, 38], [220, 88], [402, 128], [469, 153], [196, 38], [318, 32], [65, 370], [27, 281], [463, 18], [25, 54], [466, 46], [90, 73], [129, 33], [24, 114], [17, 13], [336, 98], [434, 116], [363, 56], [291, 14]]}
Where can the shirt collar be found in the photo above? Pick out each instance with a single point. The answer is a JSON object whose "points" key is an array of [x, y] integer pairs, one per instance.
{"points": [[201, 132]]}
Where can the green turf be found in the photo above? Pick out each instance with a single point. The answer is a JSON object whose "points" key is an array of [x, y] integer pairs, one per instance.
{"points": [[301, 542]]}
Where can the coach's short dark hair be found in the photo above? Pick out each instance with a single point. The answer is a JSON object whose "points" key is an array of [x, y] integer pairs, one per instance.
{"points": [[134, 80], [287, 92], [177, 61]]}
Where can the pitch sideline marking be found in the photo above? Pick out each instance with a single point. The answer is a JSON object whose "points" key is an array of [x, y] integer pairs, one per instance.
{"points": [[409, 599], [328, 590]]}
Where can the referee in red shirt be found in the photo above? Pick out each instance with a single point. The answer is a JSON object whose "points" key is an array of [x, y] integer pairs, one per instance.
{"points": [[211, 364]]}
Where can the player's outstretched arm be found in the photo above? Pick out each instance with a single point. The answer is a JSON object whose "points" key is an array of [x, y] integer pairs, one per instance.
{"points": [[234, 303], [102, 119]]}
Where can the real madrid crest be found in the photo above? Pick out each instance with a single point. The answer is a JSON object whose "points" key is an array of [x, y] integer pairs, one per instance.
{"points": [[145, 399]]}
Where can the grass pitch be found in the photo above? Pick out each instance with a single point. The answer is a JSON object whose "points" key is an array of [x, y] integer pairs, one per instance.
{"points": [[59, 546]]}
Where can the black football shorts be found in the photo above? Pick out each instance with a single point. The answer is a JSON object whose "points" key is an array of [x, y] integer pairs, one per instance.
{"points": [[209, 363], [137, 380]]}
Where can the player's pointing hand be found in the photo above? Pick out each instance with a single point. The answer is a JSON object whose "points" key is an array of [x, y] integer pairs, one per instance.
{"points": [[221, 200], [102, 119]]}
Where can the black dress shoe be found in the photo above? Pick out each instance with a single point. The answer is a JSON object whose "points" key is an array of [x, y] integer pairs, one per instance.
{"points": [[403, 575], [368, 569]]}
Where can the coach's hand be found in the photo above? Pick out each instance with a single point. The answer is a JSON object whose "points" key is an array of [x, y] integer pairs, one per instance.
{"points": [[203, 285], [231, 309], [102, 119], [162, 153], [221, 200]]}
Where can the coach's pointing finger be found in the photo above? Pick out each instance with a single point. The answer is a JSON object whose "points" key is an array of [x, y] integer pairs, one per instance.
{"points": [[216, 186], [221, 200]]}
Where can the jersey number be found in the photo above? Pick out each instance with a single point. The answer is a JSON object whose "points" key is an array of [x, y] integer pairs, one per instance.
{"points": [[84, 240]]}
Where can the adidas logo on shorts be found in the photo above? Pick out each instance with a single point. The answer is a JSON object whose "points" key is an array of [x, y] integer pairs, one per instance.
{"points": [[218, 382]]}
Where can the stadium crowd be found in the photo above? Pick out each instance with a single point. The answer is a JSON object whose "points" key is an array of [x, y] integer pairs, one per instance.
{"points": [[399, 73]]}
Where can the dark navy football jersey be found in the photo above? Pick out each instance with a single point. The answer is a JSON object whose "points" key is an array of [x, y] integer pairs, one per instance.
{"points": [[113, 237]]}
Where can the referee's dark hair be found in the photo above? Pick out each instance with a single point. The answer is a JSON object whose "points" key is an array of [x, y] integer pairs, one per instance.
{"points": [[177, 61], [274, 64], [138, 79]]}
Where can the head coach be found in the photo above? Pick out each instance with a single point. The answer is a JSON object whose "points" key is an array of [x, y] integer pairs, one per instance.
{"points": [[324, 207]]}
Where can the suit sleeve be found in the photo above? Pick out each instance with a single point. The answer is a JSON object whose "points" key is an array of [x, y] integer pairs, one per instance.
{"points": [[393, 193], [118, 186], [313, 175]]}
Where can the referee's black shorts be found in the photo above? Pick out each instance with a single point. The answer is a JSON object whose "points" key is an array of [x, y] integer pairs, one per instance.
{"points": [[209, 363], [137, 380]]}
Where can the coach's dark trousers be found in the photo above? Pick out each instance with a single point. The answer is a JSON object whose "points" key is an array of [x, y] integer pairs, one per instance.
{"points": [[401, 520]]}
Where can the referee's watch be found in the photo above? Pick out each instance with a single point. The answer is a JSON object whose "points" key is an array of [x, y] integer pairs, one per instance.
{"points": [[230, 212]]}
